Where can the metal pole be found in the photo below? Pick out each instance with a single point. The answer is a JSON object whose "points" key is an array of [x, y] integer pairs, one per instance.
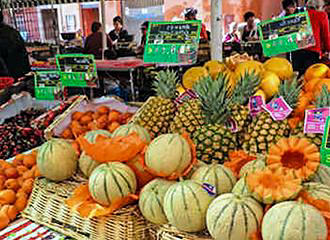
{"points": [[104, 38], [216, 29]]}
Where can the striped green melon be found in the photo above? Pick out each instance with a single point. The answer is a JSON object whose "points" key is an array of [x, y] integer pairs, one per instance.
{"points": [[57, 160], [241, 188], [127, 129], [292, 220], [194, 168], [317, 190], [86, 163], [110, 182], [252, 166], [322, 175], [217, 175], [232, 217], [152, 200], [168, 155], [186, 204]]}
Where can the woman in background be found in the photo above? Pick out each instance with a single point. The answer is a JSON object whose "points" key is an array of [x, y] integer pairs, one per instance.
{"points": [[232, 36]]}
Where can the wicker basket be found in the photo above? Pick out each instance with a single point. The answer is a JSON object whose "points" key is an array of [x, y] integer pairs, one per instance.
{"points": [[46, 206], [167, 232]]}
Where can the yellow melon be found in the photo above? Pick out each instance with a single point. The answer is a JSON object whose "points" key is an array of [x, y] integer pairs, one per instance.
{"points": [[318, 70], [248, 66], [215, 67], [270, 83], [261, 93], [280, 66], [192, 75]]}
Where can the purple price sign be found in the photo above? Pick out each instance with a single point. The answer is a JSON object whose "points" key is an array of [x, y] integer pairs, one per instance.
{"points": [[315, 120]]}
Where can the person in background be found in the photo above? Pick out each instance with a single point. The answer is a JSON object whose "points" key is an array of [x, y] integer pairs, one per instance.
{"points": [[118, 33], [250, 32], [189, 15], [326, 8], [232, 36], [93, 44], [290, 7], [144, 30], [13, 54], [302, 59]]}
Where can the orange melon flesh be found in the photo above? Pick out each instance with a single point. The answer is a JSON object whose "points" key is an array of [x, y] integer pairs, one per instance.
{"points": [[275, 150], [293, 142], [273, 159], [314, 157], [310, 149]]}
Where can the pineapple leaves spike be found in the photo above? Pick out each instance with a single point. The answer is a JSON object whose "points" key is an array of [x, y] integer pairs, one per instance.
{"points": [[214, 98], [290, 91], [323, 99], [165, 84], [246, 87]]}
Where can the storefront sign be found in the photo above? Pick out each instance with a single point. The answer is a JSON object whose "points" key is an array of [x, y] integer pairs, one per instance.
{"points": [[47, 85], [286, 34], [172, 42], [315, 120], [325, 147], [77, 70]]}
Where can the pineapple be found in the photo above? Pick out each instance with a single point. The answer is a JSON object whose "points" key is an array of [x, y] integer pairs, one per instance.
{"points": [[156, 115], [213, 140], [188, 118], [264, 131], [244, 89], [323, 100]]}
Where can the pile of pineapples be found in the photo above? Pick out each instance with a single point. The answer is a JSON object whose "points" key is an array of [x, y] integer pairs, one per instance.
{"points": [[207, 119]]}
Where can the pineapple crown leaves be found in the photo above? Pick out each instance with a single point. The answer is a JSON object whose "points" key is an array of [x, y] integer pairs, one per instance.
{"points": [[323, 99], [165, 84], [214, 98], [246, 87], [290, 91]]}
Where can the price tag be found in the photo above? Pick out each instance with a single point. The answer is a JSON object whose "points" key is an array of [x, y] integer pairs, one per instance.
{"points": [[278, 109], [255, 105], [210, 189], [325, 147], [315, 120], [186, 96]]}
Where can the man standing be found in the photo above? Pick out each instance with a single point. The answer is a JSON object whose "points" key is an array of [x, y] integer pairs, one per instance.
{"points": [[12, 51], [250, 32]]}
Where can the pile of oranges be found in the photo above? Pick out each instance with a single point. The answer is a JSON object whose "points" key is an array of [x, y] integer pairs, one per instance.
{"points": [[16, 183], [103, 118]]}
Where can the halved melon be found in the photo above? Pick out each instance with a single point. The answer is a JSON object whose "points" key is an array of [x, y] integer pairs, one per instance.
{"points": [[269, 186], [297, 156]]}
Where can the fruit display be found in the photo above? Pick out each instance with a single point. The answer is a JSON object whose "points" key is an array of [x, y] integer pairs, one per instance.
{"points": [[16, 183]]}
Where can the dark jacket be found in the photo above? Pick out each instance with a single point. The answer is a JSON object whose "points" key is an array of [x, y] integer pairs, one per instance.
{"points": [[123, 34], [93, 45], [13, 52]]}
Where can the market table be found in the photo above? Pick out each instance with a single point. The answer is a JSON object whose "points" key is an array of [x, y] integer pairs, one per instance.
{"points": [[130, 65]]}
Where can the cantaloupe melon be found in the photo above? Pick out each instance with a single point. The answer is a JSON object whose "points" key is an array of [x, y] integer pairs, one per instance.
{"points": [[168, 155], [294, 220], [252, 166], [215, 67], [57, 160], [318, 191], [185, 205], [231, 216], [86, 163], [241, 188], [322, 175], [248, 67], [217, 175], [110, 182], [127, 129], [151, 200]]}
